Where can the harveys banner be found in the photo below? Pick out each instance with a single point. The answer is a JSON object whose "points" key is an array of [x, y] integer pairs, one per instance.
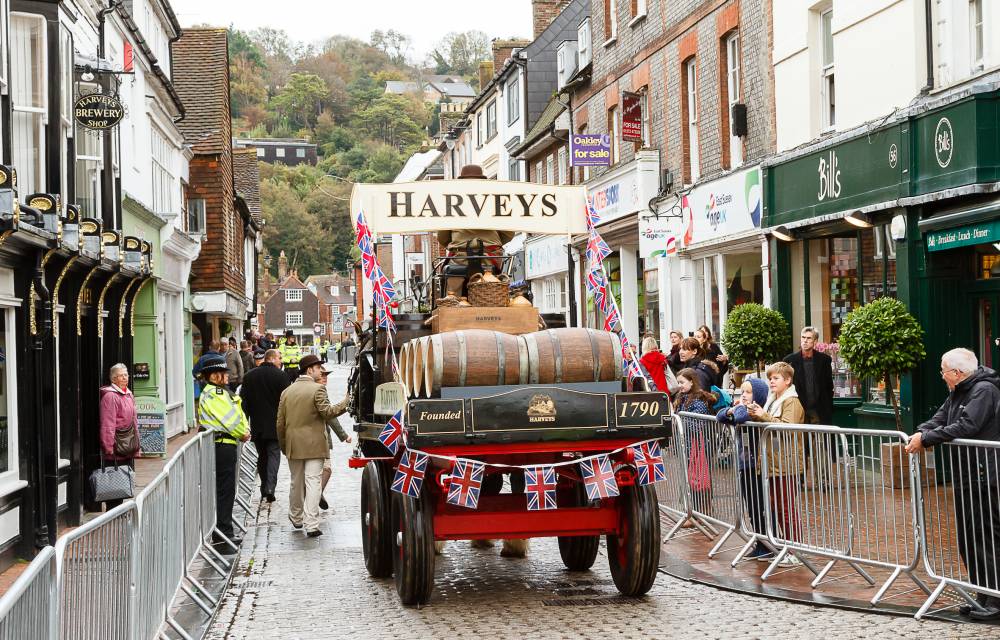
{"points": [[439, 205]]}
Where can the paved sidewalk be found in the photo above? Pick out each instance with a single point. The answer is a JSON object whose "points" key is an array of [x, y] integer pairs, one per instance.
{"points": [[292, 587]]}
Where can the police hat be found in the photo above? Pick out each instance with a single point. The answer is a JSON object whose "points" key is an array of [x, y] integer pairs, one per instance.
{"points": [[214, 362]]}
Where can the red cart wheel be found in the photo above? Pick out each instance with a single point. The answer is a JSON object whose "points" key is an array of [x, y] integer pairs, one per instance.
{"points": [[413, 556], [376, 527], [634, 554], [578, 553]]}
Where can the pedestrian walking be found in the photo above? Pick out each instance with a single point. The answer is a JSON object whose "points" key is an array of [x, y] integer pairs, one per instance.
{"points": [[261, 393], [752, 391], [784, 465], [221, 411], [246, 355], [119, 426], [692, 356], [234, 363], [303, 413], [713, 353], [971, 411], [813, 378]]}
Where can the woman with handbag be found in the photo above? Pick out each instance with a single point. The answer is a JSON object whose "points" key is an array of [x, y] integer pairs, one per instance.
{"points": [[115, 480]]}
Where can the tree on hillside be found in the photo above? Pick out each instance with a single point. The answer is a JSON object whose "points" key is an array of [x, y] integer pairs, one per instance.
{"points": [[301, 99], [392, 43], [461, 53], [389, 120]]}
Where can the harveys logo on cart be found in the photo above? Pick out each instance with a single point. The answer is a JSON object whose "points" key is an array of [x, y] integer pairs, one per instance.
{"points": [[541, 408]]}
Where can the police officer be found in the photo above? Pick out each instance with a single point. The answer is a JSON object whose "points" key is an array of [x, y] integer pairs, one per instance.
{"points": [[324, 348], [291, 353], [221, 411]]}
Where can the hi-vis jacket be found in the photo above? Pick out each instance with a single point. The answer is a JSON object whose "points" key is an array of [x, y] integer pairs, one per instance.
{"points": [[221, 411], [290, 355]]}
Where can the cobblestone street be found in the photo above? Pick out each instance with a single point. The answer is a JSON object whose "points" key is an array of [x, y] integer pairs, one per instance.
{"points": [[292, 587]]}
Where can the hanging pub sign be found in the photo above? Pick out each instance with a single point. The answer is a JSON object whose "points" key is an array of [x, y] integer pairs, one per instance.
{"points": [[98, 111], [631, 117]]}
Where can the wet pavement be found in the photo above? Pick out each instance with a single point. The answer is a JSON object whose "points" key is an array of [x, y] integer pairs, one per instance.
{"points": [[292, 587]]}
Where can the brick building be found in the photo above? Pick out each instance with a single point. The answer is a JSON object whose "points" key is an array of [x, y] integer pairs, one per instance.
{"points": [[292, 307], [223, 276], [286, 151], [335, 293]]}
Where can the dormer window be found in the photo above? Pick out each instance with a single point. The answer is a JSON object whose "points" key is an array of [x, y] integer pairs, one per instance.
{"points": [[583, 42]]}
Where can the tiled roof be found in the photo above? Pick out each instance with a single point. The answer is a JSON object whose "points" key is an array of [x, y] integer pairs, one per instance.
{"points": [[201, 77], [456, 89], [399, 86], [246, 179]]}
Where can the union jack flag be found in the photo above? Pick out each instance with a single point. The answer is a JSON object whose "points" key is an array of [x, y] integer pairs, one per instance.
{"points": [[362, 228], [597, 248], [592, 218], [540, 485], [649, 462], [466, 481], [392, 433], [597, 287], [599, 478], [410, 474], [611, 319]]}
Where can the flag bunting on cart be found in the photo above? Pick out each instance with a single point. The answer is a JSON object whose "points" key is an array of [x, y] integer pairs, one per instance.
{"points": [[382, 290], [599, 478], [392, 433], [649, 462], [410, 473], [597, 286], [466, 482], [540, 486]]}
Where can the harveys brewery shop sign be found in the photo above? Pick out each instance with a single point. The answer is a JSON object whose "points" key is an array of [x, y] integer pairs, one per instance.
{"points": [[98, 111]]}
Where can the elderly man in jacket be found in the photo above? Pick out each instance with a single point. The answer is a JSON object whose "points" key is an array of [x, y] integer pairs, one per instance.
{"points": [[261, 392], [303, 413], [971, 412]]}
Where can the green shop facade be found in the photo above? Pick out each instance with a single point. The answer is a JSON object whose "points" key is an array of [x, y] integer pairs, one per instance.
{"points": [[909, 208]]}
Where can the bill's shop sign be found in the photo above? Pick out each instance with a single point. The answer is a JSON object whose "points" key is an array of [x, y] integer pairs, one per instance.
{"points": [[98, 111]]}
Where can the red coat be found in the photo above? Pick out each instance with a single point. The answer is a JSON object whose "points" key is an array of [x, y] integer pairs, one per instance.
{"points": [[654, 361], [117, 412]]}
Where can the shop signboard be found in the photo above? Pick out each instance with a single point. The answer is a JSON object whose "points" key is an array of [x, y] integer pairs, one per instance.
{"points": [[724, 207], [981, 233], [98, 111], [545, 256], [865, 170], [151, 414], [631, 117], [590, 150], [956, 146]]}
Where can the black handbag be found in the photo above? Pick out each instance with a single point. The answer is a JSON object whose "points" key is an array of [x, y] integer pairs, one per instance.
{"points": [[116, 482]]}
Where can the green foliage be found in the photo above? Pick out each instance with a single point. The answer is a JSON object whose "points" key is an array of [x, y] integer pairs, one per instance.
{"points": [[460, 53], [754, 335], [300, 99], [880, 340], [391, 120]]}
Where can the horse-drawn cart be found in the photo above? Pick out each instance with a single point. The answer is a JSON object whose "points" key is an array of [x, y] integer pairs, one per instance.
{"points": [[471, 433]]}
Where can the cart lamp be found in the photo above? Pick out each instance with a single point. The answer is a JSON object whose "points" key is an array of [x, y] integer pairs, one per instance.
{"points": [[782, 233], [858, 219]]}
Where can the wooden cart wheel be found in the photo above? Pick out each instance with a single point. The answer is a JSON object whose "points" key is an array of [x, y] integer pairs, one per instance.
{"points": [[578, 553], [413, 556], [634, 555], [376, 527]]}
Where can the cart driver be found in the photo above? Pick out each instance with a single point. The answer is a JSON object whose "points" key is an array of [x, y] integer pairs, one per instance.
{"points": [[466, 241]]}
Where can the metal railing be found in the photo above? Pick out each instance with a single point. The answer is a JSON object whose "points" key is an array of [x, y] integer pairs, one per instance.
{"points": [[118, 575], [842, 495], [28, 610]]}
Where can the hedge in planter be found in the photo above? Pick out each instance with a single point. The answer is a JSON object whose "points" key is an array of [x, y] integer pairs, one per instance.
{"points": [[880, 340], [755, 335]]}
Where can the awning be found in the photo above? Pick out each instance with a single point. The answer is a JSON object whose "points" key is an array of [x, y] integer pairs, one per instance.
{"points": [[978, 224]]}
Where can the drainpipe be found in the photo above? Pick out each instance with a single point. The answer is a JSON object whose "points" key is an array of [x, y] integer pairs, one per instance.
{"points": [[112, 6], [929, 45], [48, 464]]}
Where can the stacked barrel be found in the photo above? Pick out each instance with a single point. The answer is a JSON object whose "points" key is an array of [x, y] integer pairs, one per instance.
{"points": [[478, 357]]}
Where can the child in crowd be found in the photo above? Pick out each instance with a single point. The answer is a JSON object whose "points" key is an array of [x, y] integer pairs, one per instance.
{"points": [[691, 398]]}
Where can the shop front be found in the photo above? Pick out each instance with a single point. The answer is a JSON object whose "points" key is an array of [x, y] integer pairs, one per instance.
{"points": [[711, 252], [620, 197], [546, 270]]}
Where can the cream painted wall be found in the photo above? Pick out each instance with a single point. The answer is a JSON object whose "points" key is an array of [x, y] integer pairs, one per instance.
{"points": [[878, 62]]}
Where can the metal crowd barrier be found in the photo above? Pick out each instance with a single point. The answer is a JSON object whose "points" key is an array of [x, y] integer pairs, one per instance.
{"points": [[961, 522], [28, 609], [845, 495]]}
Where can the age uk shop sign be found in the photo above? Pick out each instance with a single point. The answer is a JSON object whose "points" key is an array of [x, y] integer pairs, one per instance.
{"points": [[590, 150]]}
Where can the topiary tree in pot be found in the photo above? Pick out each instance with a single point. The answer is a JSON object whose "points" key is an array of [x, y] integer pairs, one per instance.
{"points": [[755, 335], [881, 340]]}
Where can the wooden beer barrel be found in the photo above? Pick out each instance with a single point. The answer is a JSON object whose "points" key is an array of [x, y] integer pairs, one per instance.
{"points": [[418, 356], [573, 355], [473, 357]]}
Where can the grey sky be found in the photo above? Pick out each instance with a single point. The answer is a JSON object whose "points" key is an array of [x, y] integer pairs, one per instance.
{"points": [[425, 21]]}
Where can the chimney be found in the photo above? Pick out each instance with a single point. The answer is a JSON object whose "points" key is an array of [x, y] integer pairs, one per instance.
{"points": [[503, 49], [485, 73], [282, 267], [543, 12]]}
